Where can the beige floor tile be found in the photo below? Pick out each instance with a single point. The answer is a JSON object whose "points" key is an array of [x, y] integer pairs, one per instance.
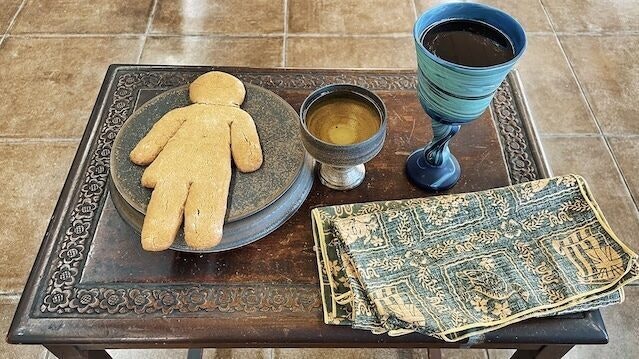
{"points": [[555, 101], [227, 51], [49, 85], [219, 17], [464, 354], [147, 353], [593, 15], [350, 17], [500, 353], [529, 13], [249, 353], [424, 5], [626, 151], [81, 16], [32, 176], [355, 353], [607, 69], [590, 158], [622, 323], [351, 52], [7, 308], [8, 9]]}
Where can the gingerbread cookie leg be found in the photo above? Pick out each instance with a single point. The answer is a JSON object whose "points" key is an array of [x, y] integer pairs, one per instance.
{"points": [[205, 210], [164, 215]]}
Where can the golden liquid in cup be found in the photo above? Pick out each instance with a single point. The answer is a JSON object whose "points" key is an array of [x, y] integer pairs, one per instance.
{"points": [[343, 120]]}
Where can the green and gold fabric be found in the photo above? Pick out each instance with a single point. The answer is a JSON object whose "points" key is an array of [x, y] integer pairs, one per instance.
{"points": [[454, 266]]}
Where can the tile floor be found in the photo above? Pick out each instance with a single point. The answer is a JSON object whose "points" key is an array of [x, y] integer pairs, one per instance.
{"points": [[580, 75]]}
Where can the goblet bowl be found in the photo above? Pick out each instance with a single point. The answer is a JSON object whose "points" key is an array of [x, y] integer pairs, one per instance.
{"points": [[342, 165]]}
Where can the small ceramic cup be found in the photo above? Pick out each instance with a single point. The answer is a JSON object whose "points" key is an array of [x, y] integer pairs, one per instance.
{"points": [[342, 166]]}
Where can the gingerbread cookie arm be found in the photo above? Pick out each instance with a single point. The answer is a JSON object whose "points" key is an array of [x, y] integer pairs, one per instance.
{"points": [[245, 142], [150, 146]]}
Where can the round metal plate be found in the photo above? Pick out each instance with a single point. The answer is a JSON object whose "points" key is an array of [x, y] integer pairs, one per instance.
{"points": [[259, 202], [277, 124]]}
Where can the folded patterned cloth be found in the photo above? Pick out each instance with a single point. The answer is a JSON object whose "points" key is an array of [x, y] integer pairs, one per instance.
{"points": [[459, 265]]}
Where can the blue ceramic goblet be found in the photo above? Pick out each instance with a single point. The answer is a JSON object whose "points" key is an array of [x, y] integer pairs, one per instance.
{"points": [[454, 94]]}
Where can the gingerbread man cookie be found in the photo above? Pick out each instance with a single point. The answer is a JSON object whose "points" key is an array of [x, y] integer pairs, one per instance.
{"points": [[188, 153]]}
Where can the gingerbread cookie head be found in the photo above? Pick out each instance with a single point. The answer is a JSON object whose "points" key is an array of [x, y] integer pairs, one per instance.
{"points": [[217, 88]]}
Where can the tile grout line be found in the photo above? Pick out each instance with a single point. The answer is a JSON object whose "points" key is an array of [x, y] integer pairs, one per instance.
{"points": [[209, 35], [14, 18], [274, 34], [586, 134], [203, 35], [548, 17], [280, 34], [136, 34], [285, 35], [149, 23], [414, 9], [383, 35], [32, 140], [623, 135], [46, 35], [10, 295], [615, 163], [570, 134], [598, 33]]}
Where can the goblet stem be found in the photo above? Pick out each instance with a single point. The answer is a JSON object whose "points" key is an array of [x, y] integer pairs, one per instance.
{"points": [[437, 152], [341, 178], [434, 168]]}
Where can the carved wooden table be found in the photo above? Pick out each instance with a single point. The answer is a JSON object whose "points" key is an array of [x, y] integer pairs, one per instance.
{"points": [[92, 287]]}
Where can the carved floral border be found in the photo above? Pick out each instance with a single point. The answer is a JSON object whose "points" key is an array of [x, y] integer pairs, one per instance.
{"points": [[517, 150], [63, 295]]}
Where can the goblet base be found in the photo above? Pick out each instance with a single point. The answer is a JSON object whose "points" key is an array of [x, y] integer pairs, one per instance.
{"points": [[429, 177], [341, 178]]}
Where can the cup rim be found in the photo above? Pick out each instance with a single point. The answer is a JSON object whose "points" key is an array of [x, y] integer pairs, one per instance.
{"points": [[437, 59], [363, 92]]}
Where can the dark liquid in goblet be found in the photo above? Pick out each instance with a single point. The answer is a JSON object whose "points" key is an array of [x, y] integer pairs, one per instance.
{"points": [[469, 43]]}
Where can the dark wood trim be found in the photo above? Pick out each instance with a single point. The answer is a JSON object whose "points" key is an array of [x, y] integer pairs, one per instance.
{"points": [[528, 122]]}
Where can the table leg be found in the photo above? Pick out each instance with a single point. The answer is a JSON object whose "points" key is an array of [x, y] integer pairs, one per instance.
{"points": [[73, 352], [434, 353], [195, 353], [545, 352]]}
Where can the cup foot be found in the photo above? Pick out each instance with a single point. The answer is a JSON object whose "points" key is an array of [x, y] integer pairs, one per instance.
{"points": [[429, 177], [341, 178]]}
